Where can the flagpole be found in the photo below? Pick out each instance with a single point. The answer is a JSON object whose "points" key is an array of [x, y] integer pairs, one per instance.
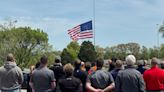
{"points": [[94, 22]]}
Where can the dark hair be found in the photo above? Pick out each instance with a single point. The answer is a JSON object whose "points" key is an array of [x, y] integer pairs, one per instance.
{"points": [[87, 66], [37, 64], [57, 59], [44, 60], [99, 63]]}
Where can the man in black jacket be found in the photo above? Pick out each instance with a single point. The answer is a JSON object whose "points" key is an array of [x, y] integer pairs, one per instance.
{"points": [[57, 68]]}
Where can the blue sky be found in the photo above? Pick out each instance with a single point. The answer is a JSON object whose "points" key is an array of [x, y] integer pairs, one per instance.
{"points": [[116, 21]]}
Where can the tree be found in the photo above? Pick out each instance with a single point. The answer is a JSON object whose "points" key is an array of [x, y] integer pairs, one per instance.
{"points": [[99, 52], [25, 43], [66, 57], [70, 53], [144, 53], [110, 52], [162, 51], [161, 29], [153, 52], [87, 52], [134, 48]]}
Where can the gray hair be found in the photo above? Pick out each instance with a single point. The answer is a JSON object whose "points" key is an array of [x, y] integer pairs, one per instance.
{"points": [[130, 60]]}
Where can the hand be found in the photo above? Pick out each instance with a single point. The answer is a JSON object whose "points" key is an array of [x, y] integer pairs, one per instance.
{"points": [[99, 90]]}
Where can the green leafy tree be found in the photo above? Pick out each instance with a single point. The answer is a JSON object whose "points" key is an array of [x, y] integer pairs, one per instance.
{"points": [[99, 52], [66, 57], [110, 52], [134, 48], [153, 52], [87, 52], [25, 43], [144, 53], [70, 53], [162, 51]]}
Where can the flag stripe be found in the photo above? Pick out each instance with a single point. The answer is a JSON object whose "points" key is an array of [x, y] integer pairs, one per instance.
{"points": [[81, 31]]}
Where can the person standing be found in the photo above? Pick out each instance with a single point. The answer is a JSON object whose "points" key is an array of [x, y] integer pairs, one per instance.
{"points": [[57, 68], [129, 80], [42, 78], [100, 80], [154, 78], [80, 74], [118, 67], [141, 65], [11, 76], [69, 83]]}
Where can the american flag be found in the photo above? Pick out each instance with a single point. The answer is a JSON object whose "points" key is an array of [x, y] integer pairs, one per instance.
{"points": [[81, 31]]}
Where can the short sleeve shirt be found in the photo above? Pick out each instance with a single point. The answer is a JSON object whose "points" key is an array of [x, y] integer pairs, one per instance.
{"points": [[42, 78], [100, 79]]}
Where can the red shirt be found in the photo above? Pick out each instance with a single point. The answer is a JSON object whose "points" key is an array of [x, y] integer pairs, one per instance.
{"points": [[154, 78]]}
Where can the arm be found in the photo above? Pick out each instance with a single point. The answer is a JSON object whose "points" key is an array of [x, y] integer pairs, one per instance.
{"points": [[53, 81], [80, 87], [109, 88], [31, 83], [92, 89], [118, 84], [20, 78], [111, 85], [141, 84], [32, 86]]}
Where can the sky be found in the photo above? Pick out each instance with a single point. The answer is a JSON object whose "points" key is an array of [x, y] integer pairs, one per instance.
{"points": [[116, 21]]}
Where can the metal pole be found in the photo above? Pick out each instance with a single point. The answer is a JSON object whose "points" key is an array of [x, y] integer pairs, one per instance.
{"points": [[94, 22], [158, 42]]}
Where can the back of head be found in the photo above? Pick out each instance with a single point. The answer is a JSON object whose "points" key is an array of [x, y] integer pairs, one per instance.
{"points": [[162, 65], [154, 61], [37, 64], [99, 63], [68, 69], [44, 60], [130, 60], [57, 59], [87, 66], [10, 57], [118, 64], [77, 64], [140, 62]]}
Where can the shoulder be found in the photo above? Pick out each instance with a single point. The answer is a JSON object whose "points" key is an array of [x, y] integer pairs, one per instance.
{"points": [[1, 68], [18, 68], [49, 71], [76, 79]]}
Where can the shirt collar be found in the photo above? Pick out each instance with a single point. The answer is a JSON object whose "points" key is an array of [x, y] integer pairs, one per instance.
{"points": [[155, 66]]}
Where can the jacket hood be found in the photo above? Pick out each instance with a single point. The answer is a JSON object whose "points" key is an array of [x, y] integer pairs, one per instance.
{"points": [[9, 65]]}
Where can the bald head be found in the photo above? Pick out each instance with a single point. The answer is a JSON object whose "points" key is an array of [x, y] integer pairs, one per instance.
{"points": [[10, 57]]}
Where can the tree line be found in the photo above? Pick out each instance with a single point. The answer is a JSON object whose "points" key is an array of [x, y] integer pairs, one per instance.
{"points": [[28, 44]]}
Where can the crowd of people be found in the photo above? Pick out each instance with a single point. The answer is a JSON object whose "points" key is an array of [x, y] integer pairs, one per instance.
{"points": [[85, 77]]}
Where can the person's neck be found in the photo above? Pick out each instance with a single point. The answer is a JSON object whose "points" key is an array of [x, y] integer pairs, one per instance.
{"points": [[43, 65], [99, 68]]}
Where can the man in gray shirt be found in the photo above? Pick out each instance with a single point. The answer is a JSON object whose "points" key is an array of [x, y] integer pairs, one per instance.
{"points": [[100, 80], [42, 78], [129, 80], [11, 76]]}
